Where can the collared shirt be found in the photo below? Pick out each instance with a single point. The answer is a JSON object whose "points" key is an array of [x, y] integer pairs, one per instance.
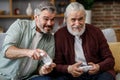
{"points": [[79, 54], [20, 34]]}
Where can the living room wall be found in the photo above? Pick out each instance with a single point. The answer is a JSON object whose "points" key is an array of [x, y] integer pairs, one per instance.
{"points": [[106, 14]]}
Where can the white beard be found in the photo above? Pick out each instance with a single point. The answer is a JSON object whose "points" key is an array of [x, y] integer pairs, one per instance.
{"points": [[75, 33]]}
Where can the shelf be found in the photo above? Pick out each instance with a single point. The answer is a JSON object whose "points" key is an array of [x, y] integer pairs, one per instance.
{"points": [[60, 15], [10, 7], [23, 16], [15, 16]]}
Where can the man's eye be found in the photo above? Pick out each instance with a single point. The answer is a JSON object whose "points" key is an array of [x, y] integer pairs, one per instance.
{"points": [[52, 19], [45, 19], [80, 19], [73, 20]]}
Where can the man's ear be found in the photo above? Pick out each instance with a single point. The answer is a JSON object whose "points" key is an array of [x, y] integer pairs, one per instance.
{"points": [[36, 11], [35, 16], [64, 21]]}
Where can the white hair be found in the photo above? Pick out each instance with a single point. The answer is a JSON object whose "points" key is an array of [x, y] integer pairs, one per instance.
{"points": [[74, 6]]}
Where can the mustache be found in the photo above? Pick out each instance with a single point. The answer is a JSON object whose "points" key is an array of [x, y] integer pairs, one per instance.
{"points": [[77, 27], [48, 26]]}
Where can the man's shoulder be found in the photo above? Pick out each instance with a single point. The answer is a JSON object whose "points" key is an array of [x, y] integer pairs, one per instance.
{"points": [[90, 27], [62, 30], [23, 21]]}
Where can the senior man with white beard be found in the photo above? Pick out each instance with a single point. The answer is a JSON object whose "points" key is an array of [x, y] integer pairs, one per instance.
{"points": [[79, 45]]}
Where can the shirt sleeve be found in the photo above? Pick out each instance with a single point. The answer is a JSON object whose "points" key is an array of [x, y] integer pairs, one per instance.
{"points": [[106, 55], [12, 36]]}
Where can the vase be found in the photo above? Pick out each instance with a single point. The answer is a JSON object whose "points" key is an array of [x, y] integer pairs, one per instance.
{"points": [[29, 9]]}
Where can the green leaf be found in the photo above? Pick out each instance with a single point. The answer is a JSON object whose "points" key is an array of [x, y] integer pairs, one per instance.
{"points": [[87, 3]]}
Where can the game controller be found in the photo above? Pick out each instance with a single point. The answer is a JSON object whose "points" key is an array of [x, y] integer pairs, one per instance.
{"points": [[46, 59], [85, 68]]}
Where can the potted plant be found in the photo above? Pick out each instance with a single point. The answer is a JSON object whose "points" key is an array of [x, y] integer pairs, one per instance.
{"points": [[88, 6], [87, 3]]}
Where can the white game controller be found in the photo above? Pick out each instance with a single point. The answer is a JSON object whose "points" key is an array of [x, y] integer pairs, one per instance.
{"points": [[46, 59], [85, 68]]}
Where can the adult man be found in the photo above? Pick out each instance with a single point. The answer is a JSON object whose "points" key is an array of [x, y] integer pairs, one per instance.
{"points": [[79, 45], [25, 41]]}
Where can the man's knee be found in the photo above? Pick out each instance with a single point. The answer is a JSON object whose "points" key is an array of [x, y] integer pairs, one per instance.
{"points": [[105, 76]]}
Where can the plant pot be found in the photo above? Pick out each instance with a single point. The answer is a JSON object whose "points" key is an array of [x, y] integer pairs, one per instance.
{"points": [[88, 16]]}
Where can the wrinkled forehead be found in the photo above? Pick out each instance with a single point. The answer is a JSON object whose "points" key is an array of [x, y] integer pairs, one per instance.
{"points": [[79, 13], [48, 14]]}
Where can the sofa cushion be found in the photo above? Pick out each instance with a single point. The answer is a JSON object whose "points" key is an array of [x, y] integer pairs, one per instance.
{"points": [[110, 34], [115, 49], [118, 76]]}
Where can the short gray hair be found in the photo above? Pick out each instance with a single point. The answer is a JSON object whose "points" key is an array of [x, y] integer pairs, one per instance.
{"points": [[74, 6], [44, 5]]}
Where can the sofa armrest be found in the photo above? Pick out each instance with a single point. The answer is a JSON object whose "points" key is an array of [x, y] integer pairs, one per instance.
{"points": [[115, 49]]}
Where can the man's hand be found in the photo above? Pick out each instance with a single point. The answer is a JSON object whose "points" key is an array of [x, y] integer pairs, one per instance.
{"points": [[95, 68], [45, 69], [75, 70], [35, 54]]}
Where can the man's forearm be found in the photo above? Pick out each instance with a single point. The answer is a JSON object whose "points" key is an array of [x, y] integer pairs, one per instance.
{"points": [[14, 52]]}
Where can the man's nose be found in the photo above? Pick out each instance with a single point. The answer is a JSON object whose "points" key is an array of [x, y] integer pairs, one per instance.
{"points": [[49, 22], [77, 23]]}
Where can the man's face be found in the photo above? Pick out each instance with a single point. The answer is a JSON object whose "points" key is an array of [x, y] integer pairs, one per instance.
{"points": [[76, 22], [45, 21]]}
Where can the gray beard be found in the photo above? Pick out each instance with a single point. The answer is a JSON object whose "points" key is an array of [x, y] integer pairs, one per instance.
{"points": [[42, 30]]}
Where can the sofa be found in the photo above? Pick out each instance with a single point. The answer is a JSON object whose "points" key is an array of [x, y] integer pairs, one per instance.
{"points": [[114, 46], [115, 49]]}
